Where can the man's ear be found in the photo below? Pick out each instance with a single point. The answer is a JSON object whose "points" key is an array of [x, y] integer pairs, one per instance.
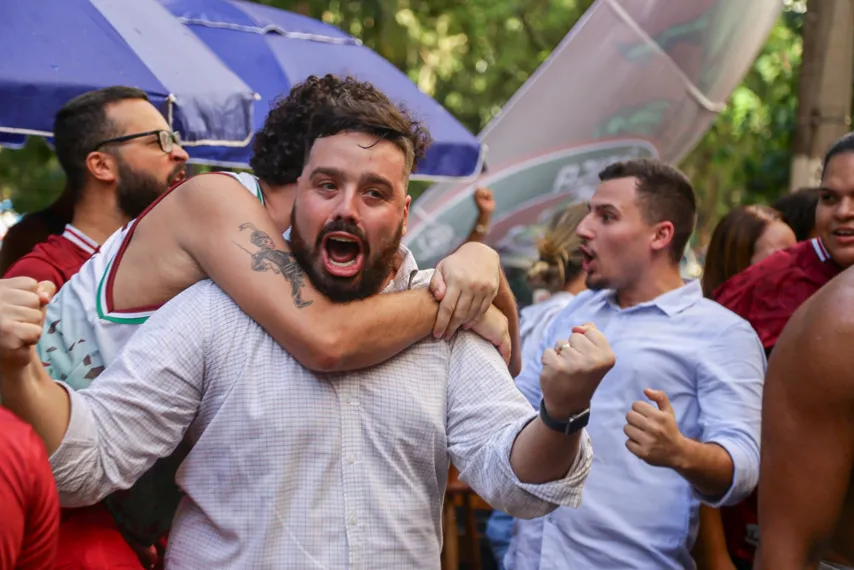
{"points": [[662, 235], [406, 205], [102, 166]]}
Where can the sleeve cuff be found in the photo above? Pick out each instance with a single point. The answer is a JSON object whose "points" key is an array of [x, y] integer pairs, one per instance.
{"points": [[745, 474], [565, 492]]}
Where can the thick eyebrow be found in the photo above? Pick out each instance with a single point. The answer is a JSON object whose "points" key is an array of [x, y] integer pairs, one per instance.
{"points": [[327, 171], [376, 180], [606, 208]]}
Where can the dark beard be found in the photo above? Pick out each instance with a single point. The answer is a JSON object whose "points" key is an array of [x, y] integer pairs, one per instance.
{"points": [[135, 191], [368, 282]]}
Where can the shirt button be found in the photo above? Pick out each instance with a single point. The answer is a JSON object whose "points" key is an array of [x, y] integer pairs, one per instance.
{"points": [[352, 520], [351, 459]]}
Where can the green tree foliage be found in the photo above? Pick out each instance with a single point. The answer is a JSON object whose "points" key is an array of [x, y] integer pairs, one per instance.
{"points": [[30, 177], [472, 55], [745, 156]]}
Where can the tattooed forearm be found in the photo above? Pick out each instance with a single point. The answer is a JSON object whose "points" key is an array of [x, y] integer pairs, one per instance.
{"points": [[277, 261]]}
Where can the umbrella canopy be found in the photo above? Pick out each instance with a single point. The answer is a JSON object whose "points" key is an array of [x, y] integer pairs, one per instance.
{"points": [[54, 50], [12, 141], [632, 79], [272, 50]]}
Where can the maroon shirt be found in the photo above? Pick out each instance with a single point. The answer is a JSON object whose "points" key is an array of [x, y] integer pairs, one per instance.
{"points": [[768, 294], [55, 259]]}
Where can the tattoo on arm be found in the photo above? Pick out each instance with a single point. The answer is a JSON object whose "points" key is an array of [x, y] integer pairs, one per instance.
{"points": [[277, 261]]}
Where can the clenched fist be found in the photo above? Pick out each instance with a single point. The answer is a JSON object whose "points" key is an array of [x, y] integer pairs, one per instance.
{"points": [[573, 370], [21, 317], [484, 201]]}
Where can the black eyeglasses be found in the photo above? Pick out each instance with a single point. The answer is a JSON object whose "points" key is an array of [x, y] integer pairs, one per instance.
{"points": [[167, 139]]}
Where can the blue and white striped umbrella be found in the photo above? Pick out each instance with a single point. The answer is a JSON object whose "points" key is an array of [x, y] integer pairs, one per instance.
{"points": [[272, 50], [54, 50]]}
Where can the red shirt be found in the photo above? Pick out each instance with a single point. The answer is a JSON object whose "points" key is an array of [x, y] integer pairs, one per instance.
{"points": [[57, 258], [29, 523], [767, 295]]}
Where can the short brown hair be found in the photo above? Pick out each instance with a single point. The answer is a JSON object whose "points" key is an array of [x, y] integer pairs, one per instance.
{"points": [[733, 243], [665, 195], [381, 119]]}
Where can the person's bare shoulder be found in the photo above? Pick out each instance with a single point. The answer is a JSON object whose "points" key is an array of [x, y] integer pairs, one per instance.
{"points": [[202, 187], [189, 206], [815, 347]]}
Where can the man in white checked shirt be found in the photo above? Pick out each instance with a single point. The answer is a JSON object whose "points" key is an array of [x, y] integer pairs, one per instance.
{"points": [[294, 469]]}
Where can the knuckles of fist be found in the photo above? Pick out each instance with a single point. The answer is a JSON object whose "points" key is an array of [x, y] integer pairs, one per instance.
{"points": [[652, 434]]}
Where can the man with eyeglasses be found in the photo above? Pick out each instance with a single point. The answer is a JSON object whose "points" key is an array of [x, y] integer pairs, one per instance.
{"points": [[119, 155]]}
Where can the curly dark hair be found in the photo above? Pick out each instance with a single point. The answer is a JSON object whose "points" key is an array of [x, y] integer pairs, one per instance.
{"points": [[323, 106]]}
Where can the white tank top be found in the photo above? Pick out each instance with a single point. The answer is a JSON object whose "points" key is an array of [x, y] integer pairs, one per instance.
{"points": [[82, 332]]}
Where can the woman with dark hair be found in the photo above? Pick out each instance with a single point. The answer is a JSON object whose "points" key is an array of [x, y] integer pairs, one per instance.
{"points": [[745, 236], [36, 227]]}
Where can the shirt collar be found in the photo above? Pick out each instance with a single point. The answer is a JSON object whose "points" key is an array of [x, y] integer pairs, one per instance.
{"points": [[81, 240], [820, 250], [670, 303], [401, 280]]}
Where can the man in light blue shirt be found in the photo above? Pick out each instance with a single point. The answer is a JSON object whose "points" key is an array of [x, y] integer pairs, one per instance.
{"points": [[676, 421]]}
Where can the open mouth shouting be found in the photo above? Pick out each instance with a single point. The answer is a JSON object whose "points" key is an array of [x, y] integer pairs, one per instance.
{"points": [[343, 254]]}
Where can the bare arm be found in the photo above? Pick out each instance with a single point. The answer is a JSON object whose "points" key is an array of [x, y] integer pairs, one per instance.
{"points": [[255, 267], [489, 419], [569, 377], [505, 301], [707, 466], [38, 400], [485, 203], [710, 550], [541, 454], [807, 433]]}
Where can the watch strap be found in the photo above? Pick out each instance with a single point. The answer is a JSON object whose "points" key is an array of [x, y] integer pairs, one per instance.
{"points": [[575, 422]]}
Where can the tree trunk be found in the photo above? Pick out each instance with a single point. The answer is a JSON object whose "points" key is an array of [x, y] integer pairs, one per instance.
{"points": [[824, 87]]}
